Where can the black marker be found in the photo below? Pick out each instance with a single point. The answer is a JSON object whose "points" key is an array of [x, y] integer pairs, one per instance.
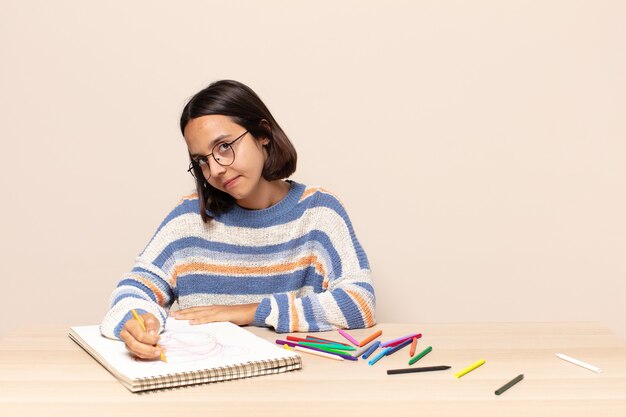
{"points": [[411, 370], [509, 384]]}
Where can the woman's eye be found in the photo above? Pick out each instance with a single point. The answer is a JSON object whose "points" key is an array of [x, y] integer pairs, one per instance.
{"points": [[224, 147]]}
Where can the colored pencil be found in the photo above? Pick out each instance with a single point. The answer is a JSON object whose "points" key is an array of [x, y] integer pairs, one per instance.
{"points": [[509, 384], [579, 363], [285, 342], [411, 370], [400, 339], [396, 348], [371, 349], [370, 338], [294, 344], [470, 368], [297, 339], [327, 345], [380, 355], [347, 336], [420, 355], [325, 348], [313, 338], [360, 351], [143, 326], [413, 346], [397, 342], [313, 352]]}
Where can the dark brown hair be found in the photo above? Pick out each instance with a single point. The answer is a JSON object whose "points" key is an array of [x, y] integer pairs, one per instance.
{"points": [[245, 108]]}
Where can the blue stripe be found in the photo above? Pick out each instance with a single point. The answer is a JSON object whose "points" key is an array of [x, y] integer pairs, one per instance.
{"points": [[309, 316], [139, 285], [283, 315], [154, 278], [127, 316], [201, 253], [186, 243], [316, 200], [366, 285], [259, 284], [350, 310]]}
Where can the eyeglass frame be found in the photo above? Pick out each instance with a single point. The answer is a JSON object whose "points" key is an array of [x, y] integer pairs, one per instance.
{"points": [[195, 164]]}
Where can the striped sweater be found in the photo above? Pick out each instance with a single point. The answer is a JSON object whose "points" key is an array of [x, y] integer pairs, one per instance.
{"points": [[300, 259]]}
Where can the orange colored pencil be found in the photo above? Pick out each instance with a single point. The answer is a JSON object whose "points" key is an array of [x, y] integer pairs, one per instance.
{"points": [[412, 352], [370, 338]]}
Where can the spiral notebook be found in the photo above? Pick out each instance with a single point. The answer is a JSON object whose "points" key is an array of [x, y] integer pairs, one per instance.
{"points": [[196, 354]]}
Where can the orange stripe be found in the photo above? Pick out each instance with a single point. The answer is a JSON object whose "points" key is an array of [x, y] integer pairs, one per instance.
{"points": [[188, 197], [313, 190], [293, 316], [249, 270], [367, 312], [154, 288]]}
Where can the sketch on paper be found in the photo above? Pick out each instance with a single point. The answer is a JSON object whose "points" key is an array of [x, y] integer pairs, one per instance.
{"points": [[185, 346]]}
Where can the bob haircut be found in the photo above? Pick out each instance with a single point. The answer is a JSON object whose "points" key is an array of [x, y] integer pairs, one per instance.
{"points": [[245, 108]]}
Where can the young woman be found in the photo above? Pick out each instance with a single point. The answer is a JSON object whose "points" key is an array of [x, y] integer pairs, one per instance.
{"points": [[248, 247]]}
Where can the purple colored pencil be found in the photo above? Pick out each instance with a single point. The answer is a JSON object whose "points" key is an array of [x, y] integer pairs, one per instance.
{"points": [[400, 346], [350, 338], [400, 339]]}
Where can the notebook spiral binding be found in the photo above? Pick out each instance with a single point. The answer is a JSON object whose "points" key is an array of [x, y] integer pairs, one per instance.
{"points": [[247, 370]]}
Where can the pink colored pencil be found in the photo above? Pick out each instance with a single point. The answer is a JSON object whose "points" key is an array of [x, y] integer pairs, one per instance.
{"points": [[399, 340], [350, 338], [412, 352]]}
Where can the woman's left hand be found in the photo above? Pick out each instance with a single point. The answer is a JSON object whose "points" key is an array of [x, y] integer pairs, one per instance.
{"points": [[241, 314]]}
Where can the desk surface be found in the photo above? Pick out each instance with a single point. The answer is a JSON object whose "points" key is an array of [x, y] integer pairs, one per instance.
{"points": [[42, 372]]}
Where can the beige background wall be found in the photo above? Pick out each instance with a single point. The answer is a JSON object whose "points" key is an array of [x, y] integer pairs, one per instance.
{"points": [[480, 146]]}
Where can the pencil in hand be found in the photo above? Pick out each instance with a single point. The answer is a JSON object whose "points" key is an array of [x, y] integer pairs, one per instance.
{"points": [[143, 326]]}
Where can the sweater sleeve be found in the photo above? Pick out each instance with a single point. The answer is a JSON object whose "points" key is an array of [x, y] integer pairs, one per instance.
{"points": [[150, 286], [145, 288], [347, 300]]}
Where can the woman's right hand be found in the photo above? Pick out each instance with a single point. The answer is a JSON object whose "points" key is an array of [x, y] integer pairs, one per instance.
{"points": [[140, 342]]}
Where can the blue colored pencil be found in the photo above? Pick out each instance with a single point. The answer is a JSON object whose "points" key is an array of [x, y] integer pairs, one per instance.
{"points": [[380, 355], [371, 349]]}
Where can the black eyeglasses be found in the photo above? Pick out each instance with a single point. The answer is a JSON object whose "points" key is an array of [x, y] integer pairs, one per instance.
{"points": [[222, 153]]}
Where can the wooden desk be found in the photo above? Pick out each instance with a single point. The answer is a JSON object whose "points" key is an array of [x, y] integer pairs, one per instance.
{"points": [[42, 372]]}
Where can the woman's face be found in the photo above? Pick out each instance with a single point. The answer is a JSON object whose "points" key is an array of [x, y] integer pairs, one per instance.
{"points": [[211, 134]]}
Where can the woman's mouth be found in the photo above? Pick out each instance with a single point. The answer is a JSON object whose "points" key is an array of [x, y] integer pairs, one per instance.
{"points": [[231, 182]]}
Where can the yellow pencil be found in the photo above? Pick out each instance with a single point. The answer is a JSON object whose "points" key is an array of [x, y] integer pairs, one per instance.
{"points": [[470, 368], [143, 326]]}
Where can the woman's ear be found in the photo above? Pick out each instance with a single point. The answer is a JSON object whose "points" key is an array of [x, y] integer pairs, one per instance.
{"points": [[265, 125]]}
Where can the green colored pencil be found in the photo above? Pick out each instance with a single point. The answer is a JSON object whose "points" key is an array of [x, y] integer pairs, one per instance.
{"points": [[420, 355], [327, 346]]}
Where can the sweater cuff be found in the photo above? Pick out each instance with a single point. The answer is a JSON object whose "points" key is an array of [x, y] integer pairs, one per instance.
{"points": [[261, 313], [128, 316]]}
